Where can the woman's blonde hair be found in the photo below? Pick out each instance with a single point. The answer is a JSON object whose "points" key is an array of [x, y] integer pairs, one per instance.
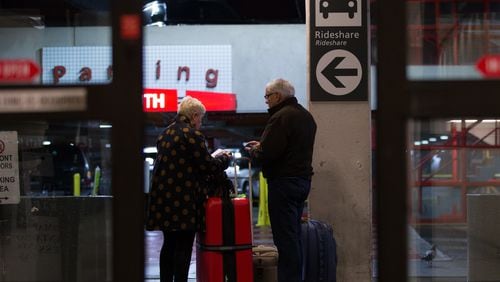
{"points": [[190, 106]]}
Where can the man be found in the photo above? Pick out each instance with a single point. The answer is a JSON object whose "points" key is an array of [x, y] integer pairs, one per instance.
{"points": [[286, 149]]}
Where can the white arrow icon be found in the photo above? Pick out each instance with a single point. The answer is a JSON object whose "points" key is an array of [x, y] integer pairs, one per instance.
{"points": [[339, 72]]}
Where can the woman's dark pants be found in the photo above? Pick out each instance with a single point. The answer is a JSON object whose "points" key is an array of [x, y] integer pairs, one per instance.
{"points": [[175, 255]]}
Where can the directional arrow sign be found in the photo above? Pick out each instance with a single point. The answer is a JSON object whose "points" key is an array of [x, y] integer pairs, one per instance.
{"points": [[489, 66], [332, 72], [339, 72], [18, 70]]}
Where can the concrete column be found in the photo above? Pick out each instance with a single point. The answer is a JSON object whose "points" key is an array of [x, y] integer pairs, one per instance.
{"points": [[341, 186]]}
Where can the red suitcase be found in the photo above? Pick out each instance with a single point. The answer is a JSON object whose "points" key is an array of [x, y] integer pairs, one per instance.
{"points": [[224, 251]]}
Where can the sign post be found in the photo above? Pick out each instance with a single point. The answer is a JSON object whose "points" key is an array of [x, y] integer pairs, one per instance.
{"points": [[9, 168], [338, 50]]}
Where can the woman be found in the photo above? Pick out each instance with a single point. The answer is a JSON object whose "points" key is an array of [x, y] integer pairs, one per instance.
{"points": [[178, 190]]}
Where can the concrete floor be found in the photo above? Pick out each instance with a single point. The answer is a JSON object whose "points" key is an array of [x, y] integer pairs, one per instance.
{"points": [[450, 264], [153, 241]]}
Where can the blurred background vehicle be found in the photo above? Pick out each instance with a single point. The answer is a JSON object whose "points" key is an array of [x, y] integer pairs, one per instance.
{"points": [[239, 172], [50, 169]]}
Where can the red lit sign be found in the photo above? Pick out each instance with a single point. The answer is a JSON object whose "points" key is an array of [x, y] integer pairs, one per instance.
{"points": [[18, 70], [489, 66], [159, 100], [214, 101], [130, 27], [165, 100]]}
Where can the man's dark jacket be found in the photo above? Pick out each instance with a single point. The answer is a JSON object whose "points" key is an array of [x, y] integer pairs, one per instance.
{"points": [[287, 142]]}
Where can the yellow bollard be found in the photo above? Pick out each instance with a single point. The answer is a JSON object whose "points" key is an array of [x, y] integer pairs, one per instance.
{"points": [[76, 184], [97, 179], [263, 219]]}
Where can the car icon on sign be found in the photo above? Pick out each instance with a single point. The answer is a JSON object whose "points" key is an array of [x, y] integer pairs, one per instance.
{"points": [[340, 6]]}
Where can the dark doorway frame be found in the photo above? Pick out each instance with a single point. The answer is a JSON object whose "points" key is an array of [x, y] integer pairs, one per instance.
{"points": [[399, 101], [119, 102]]}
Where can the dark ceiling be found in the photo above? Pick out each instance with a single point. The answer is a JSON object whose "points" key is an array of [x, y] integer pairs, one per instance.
{"points": [[95, 12]]}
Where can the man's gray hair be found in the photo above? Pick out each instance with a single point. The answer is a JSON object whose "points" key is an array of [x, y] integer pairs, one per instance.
{"points": [[190, 106], [282, 86]]}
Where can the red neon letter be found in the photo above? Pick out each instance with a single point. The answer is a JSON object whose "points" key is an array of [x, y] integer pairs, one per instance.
{"points": [[85, 74], [180, 70], [110, 72], [158, 69], [58, 72], [211, 78]]}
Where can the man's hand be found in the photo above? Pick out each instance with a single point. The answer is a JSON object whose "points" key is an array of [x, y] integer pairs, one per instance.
{"points": [[253, 148]]}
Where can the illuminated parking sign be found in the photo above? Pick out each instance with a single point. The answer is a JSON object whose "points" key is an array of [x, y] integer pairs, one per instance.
{"points": [[9, 168], [338, 50]]}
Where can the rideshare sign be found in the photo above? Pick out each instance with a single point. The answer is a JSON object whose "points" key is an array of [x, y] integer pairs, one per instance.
{"points": [[338, 50]]}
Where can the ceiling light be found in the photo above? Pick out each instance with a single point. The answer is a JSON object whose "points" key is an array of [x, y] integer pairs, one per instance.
{"points": [[154, 13], [150, 150]]}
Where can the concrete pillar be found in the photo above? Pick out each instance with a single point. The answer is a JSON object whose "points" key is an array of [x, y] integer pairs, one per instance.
{"points": [[341, 186]]}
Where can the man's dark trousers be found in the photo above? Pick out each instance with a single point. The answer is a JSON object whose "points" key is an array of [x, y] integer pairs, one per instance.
{"points": [[286, 197]]}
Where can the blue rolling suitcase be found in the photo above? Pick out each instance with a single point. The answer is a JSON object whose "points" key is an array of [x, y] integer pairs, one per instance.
{"points": [[319, 251]]}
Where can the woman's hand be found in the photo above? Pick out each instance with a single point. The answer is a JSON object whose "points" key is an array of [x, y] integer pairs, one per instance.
{"points": [[252, 145]]}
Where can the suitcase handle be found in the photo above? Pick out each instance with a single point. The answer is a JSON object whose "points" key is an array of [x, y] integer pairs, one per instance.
{"points": [[224, 248]]}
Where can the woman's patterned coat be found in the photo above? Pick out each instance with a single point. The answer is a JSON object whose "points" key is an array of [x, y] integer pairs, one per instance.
{"points": [[178, 189]]}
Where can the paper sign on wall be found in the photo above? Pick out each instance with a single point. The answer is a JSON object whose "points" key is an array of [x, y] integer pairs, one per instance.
{"points": [[9, 168]]}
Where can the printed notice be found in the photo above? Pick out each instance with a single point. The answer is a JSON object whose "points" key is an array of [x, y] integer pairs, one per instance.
{"points": [[9, 168], [39, 100]]}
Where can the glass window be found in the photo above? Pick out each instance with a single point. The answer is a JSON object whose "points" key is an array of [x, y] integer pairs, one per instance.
{"points": [[66, 42], [454, 199], [453, 39], [55, 201]]}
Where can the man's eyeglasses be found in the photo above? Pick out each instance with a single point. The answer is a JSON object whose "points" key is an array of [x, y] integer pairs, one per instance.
{"points": [[269, 95]]}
